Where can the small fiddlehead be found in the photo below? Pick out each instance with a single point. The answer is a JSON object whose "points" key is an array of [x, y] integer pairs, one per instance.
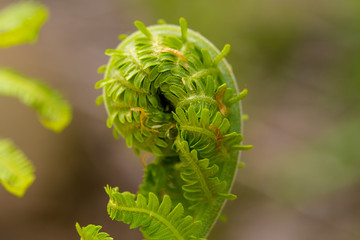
{"points": [[170, 92]]}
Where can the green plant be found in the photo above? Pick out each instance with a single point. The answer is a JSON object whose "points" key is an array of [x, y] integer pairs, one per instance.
{"points": [[20, 23], [170, 92]]}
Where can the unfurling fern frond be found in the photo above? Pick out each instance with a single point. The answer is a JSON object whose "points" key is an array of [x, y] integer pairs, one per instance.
{"points": [[54, 112], [156, 220], [91, 232], [16, 171], [170, 92], [21, 22]]}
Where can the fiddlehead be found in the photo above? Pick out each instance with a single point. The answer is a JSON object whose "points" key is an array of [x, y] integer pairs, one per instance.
{"points": [[169, 91]]}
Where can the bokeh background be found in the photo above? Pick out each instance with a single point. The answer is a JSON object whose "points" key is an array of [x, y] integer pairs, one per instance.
{"points": [[300, 60]]}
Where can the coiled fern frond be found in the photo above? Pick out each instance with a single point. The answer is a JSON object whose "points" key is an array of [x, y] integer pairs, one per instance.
{"points": [[170, 92]]}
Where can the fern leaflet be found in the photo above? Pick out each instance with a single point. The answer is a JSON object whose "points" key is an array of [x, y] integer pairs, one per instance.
{"points": [[21, 22], [16, 171], [91, 232], [157, 220], [53, 110], [200, 177]]}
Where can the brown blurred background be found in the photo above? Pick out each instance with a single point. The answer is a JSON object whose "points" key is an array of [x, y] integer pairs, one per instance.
{"points": [[300, 60]]}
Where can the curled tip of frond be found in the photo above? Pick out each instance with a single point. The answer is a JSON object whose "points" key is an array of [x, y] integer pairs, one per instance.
{"points": [[161, 21], [224, 52], [142, 28], [122, 37], [183, 25]]}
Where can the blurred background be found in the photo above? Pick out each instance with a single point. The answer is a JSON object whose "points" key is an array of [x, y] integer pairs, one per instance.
{"points": [[300, 60]]}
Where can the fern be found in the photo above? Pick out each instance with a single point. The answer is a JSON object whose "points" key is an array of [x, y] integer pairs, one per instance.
{"points": [[16, 171], [21, 22], [157, 220], [170, 92], [200, 177], [54, 112], [91, 232]]}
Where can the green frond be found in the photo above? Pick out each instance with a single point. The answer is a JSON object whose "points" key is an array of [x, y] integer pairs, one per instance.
{"points": [[170, 92], [92, 232], [16, 171], [156, 220], [20, 22], [54, 112], [199, 176]]}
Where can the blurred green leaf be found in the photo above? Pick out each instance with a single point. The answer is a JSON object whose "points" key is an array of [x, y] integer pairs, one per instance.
{"points": [[16, 171], [91, 232], [53, 110], [20, 23]]}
